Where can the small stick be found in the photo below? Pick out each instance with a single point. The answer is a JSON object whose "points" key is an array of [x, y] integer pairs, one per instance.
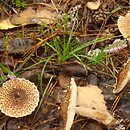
{"points": [[35, 47], [10, 7]]}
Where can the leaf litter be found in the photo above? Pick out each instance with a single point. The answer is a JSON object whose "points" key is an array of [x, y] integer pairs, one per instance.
{"points": [[94, 102], [15, 45], [42, 15]]}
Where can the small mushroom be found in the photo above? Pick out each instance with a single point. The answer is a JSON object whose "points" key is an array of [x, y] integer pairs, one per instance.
{"points": [[68, 105], [94, 5], [18, 97], [124, 25], [123, 78]]}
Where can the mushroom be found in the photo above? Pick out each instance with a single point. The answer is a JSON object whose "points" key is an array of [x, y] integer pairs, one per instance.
{"points": [[123, 78], [91, 103], [85, 101], [68, 105], [94, 5], [18, 97], [124, 25]]}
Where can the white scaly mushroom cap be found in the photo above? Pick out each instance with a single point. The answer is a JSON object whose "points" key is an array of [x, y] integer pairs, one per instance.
{"points": [[124, 25], [94, 5], [18, 97], [68, 105]]}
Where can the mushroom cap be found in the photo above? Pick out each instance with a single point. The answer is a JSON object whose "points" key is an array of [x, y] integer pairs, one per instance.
{"points": [[18, 97], [91, 103], [123, 78], [124, 25], [68, 105]]}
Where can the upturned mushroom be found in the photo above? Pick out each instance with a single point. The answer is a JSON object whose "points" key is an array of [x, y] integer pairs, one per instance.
{"points": [[91, 104], [87, 101], [123, 78], [18, 97], [68, 105]]}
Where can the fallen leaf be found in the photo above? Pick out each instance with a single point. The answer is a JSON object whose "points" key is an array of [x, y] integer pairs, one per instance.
{"points": [[24, 18], [94, 5], [90, 103], [63, 81], [123, 23], [31, 16], [6, 24], [74, 69], [44, 15]]}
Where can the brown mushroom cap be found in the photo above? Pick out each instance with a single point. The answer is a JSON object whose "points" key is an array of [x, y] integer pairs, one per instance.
{"points": [[68, 105], [124, 25], [123, 78], [18, 97]]}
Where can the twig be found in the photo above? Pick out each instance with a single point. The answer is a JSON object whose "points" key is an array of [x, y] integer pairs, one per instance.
{"points": [[9, 7], [35, 47]]}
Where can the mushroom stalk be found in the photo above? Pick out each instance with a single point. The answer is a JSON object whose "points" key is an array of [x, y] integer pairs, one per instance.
{"points": [[68, 105]]}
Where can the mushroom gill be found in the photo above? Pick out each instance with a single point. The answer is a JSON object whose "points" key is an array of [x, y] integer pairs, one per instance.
{"points": [[68, 105], [18, 97], [123, 78], [91, 104]]}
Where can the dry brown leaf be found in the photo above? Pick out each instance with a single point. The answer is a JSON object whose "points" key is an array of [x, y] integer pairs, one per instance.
{"points": [[30, 16], [25, 17], [90, 103], [94, 5], [6, 24], [63, 81], [44, 15], [66, 2], [124, 25]]}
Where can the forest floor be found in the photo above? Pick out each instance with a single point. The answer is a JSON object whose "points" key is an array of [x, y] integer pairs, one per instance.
{"points": [[65, 38]]}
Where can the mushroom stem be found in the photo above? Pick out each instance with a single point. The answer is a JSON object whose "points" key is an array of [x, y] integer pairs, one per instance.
{"points": [[68, 105]]}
